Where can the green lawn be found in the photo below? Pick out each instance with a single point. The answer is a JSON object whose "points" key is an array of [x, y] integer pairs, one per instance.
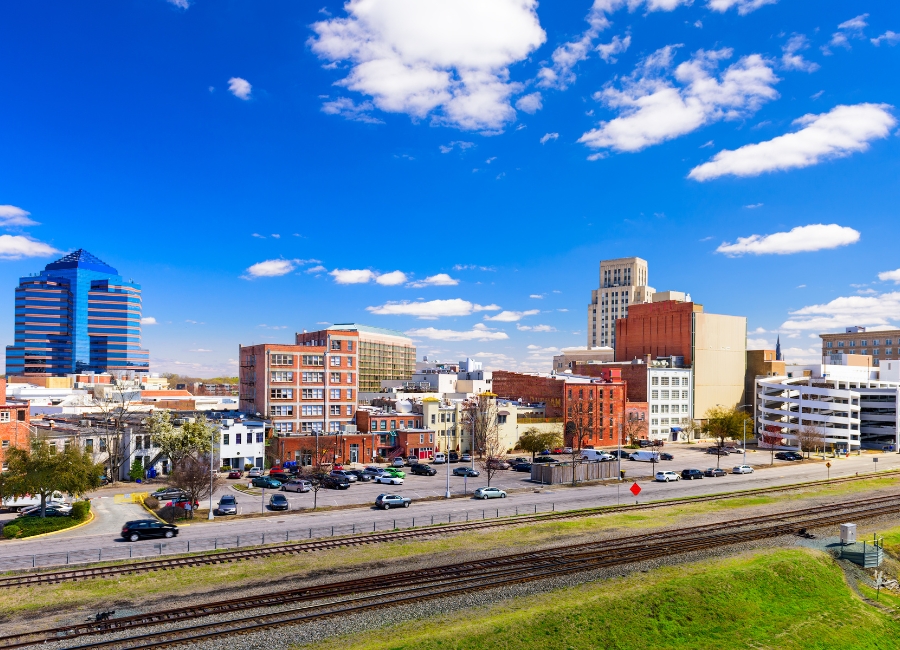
{"points": [[790, 599]]}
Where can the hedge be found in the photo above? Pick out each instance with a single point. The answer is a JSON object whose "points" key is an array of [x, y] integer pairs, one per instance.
{"points": [[30, 526], [81, 510]]}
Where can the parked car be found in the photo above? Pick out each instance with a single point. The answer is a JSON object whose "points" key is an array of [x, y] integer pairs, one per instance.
{"points": [[466, 458], [66, 507], [297, 485], [742, 469], [496, 463], [645, 443], [388, 479], [255, 472], [489, 493], [453, 457], [567, 450], [169, 494], [439, 458], [393, 471], [465, 471], [666, 476], [558, 450], [732, 449], [522, 467], [235, 473], [266, 482], [388, 501], [372, 472], [346, 473], [544, 452], [360, 474], [596, 455], [666, 456], [517, 459], [716, 451], [620, 453], [227, 505], [335, 482], [788, 455], [183, 504], [397, 462], [714, 471], [691, 474], [411, 460], [144, 528], [280, 476], [545, 459], [422, 470], [278, 502], [50, 511]]}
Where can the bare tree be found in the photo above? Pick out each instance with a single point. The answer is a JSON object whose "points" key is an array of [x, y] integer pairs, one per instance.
{"points": [[115, 404], [492, 453], [634, 428], [724, 423], [480, 420], [579, 426], [690, 428], [192, 474], [810, 438]]}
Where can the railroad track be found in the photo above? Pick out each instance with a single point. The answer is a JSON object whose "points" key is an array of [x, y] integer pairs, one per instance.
{"points": [[222, 557], [352, 596]]}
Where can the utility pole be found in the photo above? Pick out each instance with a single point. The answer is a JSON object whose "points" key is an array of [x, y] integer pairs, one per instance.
{"points": [[212, 457]]}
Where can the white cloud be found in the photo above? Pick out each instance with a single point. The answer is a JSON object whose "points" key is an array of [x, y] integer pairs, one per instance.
{"points": [[753, 206], [852, 28], [479, 332], [347, 108], [537, 296], [200, 350], [11, 216], [512, 316], [744, 7], [437, 280], [559, 74], [845, 311], [889, 37], [13, 247], [270, 268], [653, 109], [802, 239], [856, 24], [181, 4], [430, 57], [549, 136], [615, 46], [890, 276], [391, 279], [240, 88], [535, 328], [791, 60], [462, 145], [838, 133], [431, 308], [148, 320], [352, 276], [316, 269], [530, 103]]}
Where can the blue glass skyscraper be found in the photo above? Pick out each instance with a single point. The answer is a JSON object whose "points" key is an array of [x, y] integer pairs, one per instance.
{"points": [[77, 315]]}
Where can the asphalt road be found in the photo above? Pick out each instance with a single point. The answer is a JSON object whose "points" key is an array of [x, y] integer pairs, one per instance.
{"points": [[523, 495]]}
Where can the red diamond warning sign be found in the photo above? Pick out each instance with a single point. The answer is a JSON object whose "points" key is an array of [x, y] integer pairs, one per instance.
{"points": [[635, 489]]}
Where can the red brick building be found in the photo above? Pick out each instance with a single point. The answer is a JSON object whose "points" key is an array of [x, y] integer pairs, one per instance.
{"points": [[383, 421], [592, 408], [660, 329], [15, 419], [634, 375], [355, 447]]}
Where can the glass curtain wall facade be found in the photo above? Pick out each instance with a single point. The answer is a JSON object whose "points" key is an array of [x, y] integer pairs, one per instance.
{"points": [[77, 315], [383, 354]]}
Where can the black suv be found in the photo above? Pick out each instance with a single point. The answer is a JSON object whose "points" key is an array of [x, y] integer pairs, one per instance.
{"points": [[691, 474], [335, 482], [453, 457], [170, 494], [144, 528], [422, 470], [788, 455]]}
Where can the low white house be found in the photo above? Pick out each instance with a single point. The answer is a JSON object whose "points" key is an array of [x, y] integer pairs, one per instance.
{"points": [[242, 443]]}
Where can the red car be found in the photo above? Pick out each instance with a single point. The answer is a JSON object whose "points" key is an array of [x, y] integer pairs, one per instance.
{"points": [[183, 504], [235, 473], [558, 450]]}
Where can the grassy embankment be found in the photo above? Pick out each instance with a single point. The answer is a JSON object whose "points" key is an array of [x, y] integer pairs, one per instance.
{"points": [[157, 585], [790, 600]]}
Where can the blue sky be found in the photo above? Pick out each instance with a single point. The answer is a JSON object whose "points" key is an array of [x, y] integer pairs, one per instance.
{"points": [[455, 170]]}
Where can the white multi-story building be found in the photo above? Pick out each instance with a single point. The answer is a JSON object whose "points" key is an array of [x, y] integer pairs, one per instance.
{"points": [[623, 282], [669, 399], [242, 443]]}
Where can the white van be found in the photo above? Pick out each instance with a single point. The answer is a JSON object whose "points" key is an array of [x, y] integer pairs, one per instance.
{"points": [[16, 504], [646, 456], [439, 458], [595, 454]]}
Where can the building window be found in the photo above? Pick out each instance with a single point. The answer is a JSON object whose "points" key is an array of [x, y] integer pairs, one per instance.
{"points": [[863, 342], [280, 427], [349, 409], [876, 352], [313, 377], [393, 425], [281, 393], [313, 393], [888, 351], [888, 341], [349, 393], [382, 425], [864, 351], [654, 408], [4, 416], [654, 381], [282, 411], [664, 408], [875, 342], [226, 439], [664, 394], [409, 423], [501, 419], [828, 344], [335, 393], [349, 346], [312, 360], [654, 394], [349, 377], [852, 344], [840, 344], [282, 376], [349, 362], [310, 427], [102, 445], [335, 345], [421, 438], [663, 381], [684, 394], [260, 436], [335, 378], [282, 360], [237, 438], [312, 409], [88, 445], [684, 408], [433, 417], [335, 361], [335, 409]]}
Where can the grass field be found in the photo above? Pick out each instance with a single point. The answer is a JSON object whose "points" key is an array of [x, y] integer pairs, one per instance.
{"points": [[155, 585], [791, 600]]}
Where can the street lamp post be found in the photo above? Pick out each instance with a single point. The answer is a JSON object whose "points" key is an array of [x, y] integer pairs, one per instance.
{"points": [[744, 424], [212, 458]]}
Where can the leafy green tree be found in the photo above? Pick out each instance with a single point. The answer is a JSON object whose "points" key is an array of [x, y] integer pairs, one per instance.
{"points": [[41, 471], [534, 440], [137, 470], [725, 423], [177, 443]]}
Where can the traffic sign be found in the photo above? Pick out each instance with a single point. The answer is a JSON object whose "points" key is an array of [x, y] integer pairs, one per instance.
{"points": [[827, 464], [635, 489]]}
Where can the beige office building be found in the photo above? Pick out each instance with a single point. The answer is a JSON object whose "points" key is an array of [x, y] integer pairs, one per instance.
{"points": [[623, 282], [881, 345]]}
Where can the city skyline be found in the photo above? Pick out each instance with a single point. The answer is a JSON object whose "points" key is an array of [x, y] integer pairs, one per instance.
{"points": [[251, 206]]}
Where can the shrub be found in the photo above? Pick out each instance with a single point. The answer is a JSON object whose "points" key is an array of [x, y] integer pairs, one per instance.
{"points": [[29, 526], [151, 502], [171, 513], [80, 510], [11, 531], [224, 469], [380, 459], [247, 467]]}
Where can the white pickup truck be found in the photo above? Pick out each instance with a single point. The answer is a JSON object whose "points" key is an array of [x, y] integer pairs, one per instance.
{"points": [[16, 504]]}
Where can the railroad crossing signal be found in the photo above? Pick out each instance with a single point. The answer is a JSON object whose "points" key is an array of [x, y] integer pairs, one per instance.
{"points": [[635, 489]]}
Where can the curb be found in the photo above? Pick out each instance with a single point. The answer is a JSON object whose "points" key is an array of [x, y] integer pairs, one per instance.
{"points": [[62, 530]]}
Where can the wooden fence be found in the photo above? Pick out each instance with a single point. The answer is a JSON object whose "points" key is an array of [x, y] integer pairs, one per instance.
{"points": [[550, 474]]}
